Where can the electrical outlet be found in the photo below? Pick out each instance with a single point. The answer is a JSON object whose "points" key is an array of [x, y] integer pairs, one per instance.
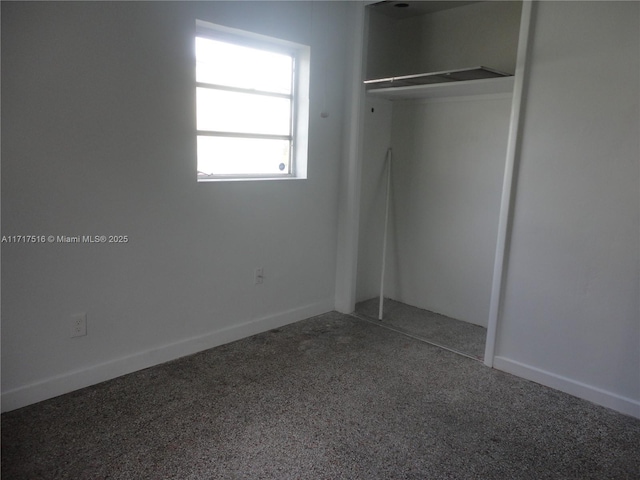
{"points": [[78, 325], [259, 277]]}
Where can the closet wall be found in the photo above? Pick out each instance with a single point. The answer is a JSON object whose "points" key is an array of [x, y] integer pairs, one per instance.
{"points": [[448, 159], [483, 33], [447, 178]]}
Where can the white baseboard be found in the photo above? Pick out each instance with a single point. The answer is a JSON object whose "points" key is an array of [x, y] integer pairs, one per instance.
{"points": [[70, 381], [611, 400]]}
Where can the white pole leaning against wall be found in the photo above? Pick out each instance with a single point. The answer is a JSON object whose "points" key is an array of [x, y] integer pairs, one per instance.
{"points": [[506, 203], [384, 238]]}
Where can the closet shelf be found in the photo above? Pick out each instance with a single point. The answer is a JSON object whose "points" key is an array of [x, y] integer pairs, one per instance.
{"points": [[468, 81]]}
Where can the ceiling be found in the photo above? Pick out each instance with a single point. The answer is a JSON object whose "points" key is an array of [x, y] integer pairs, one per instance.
{"points": [[414, 8]]}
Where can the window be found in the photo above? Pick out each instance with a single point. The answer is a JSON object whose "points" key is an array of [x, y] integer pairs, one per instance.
{"points": [[252, 107]]}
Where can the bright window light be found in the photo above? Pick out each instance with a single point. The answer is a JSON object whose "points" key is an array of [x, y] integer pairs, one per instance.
{"points": [[251, 105], [243, 67]]}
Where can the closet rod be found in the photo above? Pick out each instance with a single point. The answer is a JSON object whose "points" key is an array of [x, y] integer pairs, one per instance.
{"points": [[384, 238]]}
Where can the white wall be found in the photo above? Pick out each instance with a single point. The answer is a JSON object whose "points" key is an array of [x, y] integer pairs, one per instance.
{"points": [[448, 161], [484, 33], [447, 174], [377, 140], [571, 312], [348, 202], [382, 45], [98, 137]]}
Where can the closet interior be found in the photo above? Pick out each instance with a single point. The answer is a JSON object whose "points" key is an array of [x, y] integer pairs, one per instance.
{"points": [[439, 83]]}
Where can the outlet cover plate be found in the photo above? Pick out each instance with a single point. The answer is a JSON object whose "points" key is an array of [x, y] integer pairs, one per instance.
{"points": [[78, 325]]}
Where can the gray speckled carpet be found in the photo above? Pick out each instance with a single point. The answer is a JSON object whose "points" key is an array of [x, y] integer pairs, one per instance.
{"points": [[329, 397], [441, 330]]}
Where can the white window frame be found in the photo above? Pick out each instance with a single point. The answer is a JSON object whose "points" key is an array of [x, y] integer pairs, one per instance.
{"points": [[299, 133]]}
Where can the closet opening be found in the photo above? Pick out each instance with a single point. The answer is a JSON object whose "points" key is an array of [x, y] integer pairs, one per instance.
{"points": [[439, 84]]}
